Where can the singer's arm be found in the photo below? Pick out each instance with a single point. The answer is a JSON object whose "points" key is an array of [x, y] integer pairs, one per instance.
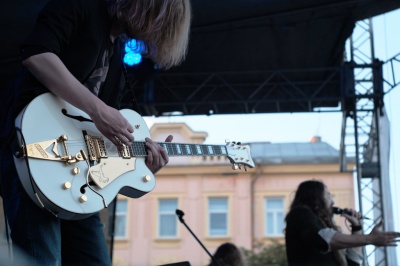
{"points": [[354, 218], [376, 237]]}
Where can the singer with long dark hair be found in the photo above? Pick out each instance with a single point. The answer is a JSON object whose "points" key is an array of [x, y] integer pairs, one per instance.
{"points": [[312, 237]]}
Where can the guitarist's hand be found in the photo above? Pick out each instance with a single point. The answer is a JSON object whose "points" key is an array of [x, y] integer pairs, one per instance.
{"points": [[113, 125], [51, 71], [157, 156]]}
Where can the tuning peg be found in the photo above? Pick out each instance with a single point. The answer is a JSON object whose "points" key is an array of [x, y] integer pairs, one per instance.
{"points": [[227, 141], [240, 166], [239, 143], [235, 166], [245, 168]]}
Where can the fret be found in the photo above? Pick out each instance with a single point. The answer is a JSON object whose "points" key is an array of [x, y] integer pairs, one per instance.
{"points": [[177, 149], [198, 149], [139, 149], [167, 148], [217, 150], [187, 149], [223, 150], [204, 149]]}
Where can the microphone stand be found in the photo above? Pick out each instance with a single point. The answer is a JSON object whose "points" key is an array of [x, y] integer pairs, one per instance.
{"points": [[180, 214]]}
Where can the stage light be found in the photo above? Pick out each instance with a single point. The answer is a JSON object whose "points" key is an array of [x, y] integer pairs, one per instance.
{"points": [[133, 52]]}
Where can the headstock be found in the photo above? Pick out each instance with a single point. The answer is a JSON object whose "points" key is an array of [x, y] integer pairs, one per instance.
{"points": [[239, 155]]}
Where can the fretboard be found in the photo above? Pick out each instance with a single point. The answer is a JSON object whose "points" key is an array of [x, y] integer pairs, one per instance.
{"points": [[179, 149]]}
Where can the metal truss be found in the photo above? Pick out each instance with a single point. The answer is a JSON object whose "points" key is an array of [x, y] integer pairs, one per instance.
{"points": [[290, 90], [275, 91], [363, 108]]}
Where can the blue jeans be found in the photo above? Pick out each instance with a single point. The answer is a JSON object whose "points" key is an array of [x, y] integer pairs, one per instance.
{"points": [[45, 239]]}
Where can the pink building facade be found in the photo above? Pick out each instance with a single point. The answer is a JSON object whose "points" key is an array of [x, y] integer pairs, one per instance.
{"points": [[220, 204]]}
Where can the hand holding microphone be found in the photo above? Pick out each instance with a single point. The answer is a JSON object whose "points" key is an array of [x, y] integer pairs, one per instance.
{"points": [[337, 210], [352, 216]]}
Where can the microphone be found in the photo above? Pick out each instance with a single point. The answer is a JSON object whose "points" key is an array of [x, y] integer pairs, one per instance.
{"points": [[337, 210], [180, 214]]}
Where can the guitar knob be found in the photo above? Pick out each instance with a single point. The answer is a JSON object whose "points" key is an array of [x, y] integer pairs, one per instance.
{"points": [[67, 185], [82, 199], [76, 171], [147, 178]]}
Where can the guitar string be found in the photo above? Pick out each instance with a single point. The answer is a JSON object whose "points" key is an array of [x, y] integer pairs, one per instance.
{"points": [[174, 149]]}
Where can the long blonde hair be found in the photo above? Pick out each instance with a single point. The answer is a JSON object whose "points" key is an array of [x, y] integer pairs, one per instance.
{"points": [[163, 25]]}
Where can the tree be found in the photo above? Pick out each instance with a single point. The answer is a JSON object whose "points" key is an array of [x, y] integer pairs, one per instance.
{"points": [[273, 254]]}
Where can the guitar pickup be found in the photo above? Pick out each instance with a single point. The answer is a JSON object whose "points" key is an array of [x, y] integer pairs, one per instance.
{"points": [[96, 147]]}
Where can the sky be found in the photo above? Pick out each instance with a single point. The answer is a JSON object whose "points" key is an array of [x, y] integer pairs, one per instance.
{"points": [[300, 127]]}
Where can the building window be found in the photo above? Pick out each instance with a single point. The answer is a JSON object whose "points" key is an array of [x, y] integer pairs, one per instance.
{"points": [[274, 216], [218, 216], [167, 220], [121, 219]]}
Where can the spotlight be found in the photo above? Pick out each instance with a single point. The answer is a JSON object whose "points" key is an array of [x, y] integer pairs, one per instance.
{"points": [[133, 52]]}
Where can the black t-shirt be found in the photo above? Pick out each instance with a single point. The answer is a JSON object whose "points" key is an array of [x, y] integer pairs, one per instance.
{"points": [[78, 32], [304, 246]]}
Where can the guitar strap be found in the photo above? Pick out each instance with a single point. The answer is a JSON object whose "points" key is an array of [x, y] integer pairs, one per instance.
{"points": [[130, 87], [117, 79], [112, 87]]}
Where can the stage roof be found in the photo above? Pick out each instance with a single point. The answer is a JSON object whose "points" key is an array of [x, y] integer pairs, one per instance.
{"points": [[245, 56], [252, 56]]}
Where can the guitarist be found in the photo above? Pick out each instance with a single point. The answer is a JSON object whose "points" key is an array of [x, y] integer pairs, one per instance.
{"points": [[75, 51]]}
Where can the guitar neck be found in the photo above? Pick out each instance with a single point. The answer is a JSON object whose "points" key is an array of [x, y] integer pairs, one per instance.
{"points": [[179, 149]]}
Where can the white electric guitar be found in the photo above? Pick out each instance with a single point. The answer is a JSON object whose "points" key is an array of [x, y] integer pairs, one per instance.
{"points": [[70, 169]]}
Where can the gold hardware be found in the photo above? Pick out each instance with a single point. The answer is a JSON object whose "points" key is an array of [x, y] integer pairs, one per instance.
{"points": [[147, 178], [96, 147], [83, 154], [82, 199], [76, 171], [79, 157], [38, 150], [126, 152], [67, 185]]}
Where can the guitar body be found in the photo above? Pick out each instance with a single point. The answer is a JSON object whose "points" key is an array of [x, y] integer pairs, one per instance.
{"points": [[60, 185]]}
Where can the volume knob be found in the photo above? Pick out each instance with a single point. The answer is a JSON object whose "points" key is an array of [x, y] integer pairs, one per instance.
{"points": [[67, 185], [82, 199]]}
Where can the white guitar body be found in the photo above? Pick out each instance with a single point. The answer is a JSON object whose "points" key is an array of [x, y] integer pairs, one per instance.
{"points": [[43, 120], [70, 169]]}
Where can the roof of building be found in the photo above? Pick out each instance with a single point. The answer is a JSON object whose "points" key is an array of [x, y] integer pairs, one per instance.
{"points": [[293, 153]]}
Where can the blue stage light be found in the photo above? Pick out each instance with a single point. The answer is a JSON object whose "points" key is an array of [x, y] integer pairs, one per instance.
{"points": [[133, 52]]}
